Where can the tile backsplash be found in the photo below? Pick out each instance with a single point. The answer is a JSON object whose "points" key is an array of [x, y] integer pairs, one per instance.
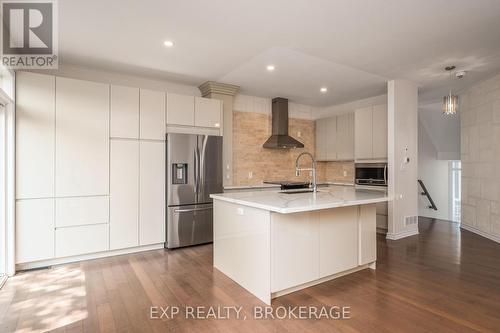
{"points": [[252, 164]]}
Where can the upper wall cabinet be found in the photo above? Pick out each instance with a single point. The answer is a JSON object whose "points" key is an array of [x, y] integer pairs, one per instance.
{"points": [[180, 109], [82, 138], [124, 112], [193, 111], [345, 136], [380, 131], [335, 138], [363, 124], [35, 131], [207, 112], [371, 133], [152, 115]]}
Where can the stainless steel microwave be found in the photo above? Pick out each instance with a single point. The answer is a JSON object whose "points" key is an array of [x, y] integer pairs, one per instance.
{"points": [[371, 174]]}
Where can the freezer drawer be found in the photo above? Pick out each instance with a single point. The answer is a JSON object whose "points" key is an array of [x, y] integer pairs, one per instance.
{"points": [[189, 225]]}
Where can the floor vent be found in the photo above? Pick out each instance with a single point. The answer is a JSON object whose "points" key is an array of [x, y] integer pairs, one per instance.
{"points": [[411, 220]]}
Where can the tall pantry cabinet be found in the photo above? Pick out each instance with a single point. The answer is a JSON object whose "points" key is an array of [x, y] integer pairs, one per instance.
{"points": [[78, 166]]}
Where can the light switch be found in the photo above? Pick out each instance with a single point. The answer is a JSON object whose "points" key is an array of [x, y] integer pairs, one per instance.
{"points": [[240, 211]]}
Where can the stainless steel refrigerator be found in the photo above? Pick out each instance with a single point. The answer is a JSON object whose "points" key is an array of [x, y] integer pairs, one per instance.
{"points": [[194, 171]]}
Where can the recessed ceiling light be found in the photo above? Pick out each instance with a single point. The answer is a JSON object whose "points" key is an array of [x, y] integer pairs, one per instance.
{"points": [[270, 68], [168, 43], [323, 89]]}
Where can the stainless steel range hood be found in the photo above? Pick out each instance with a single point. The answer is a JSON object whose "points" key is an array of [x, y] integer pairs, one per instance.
{"points": [[279, 138]]}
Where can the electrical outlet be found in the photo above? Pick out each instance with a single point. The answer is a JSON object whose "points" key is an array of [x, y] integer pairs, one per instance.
{"points": [[345, 173], [299, 134], [250, 175]]}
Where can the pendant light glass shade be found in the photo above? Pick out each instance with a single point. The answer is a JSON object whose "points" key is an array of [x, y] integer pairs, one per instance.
{"points": [[450, 104]]}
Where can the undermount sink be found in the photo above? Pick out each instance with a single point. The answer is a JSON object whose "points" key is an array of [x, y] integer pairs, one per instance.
{"points": [[297, 192]]}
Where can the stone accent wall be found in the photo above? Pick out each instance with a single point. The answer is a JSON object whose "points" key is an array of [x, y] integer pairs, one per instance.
{"points": [[480, 154], [252, 129]]}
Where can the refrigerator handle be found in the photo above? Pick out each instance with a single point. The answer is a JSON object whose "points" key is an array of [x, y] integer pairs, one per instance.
{"points": [[202, 164], [196, 172]]}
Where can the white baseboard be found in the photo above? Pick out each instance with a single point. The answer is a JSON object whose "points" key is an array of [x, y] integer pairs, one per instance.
{"points": [[475, 230], [402, 234], [66, 260]]}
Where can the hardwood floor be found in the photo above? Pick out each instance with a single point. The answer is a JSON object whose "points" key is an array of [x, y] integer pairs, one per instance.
{"points": [[443, 280]]}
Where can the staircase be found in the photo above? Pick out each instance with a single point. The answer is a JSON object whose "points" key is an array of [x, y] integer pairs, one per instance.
{"points": [[427, 195]]}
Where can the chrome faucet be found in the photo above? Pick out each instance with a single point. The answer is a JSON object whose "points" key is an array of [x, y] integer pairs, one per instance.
{"points": [[313, 169]]}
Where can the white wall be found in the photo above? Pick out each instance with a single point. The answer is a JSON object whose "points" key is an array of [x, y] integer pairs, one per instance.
{"points": [[443, 130], [480, 154], [402, 144], [83, 73], [435, 175], [247, 103], [333, 110]]}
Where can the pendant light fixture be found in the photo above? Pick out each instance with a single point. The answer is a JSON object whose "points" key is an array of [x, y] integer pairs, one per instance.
{"points": [[450, 102]]}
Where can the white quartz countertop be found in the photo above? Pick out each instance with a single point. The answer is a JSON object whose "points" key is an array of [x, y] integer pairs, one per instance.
{"points": [[326, 197], [249, 187]]}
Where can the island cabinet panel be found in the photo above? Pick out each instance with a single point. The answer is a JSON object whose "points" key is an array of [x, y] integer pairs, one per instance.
{"points": [[242, 246], [295, 250], [367, 234], [338, 240]]}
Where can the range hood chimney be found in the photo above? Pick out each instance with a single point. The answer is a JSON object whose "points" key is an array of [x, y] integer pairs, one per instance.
{"points": [[279, 138]]}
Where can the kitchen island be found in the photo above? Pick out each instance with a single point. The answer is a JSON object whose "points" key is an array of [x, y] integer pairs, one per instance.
{"points": [[275, 242]]}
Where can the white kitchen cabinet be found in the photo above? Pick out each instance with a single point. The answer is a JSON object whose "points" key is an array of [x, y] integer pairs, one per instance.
{"points": [[34, 230], [124, 194], [367, 234], [321, 129], [35, 133], [152, 193], [331, 139], [345, 137], [207, 112], [338, 238], [82, 138], [363, 125], [294, 249], [335, 138], [152, 115], [124, 112], [380, 131], [74, 211], [180, 109], [371, 133], [72, 241]]}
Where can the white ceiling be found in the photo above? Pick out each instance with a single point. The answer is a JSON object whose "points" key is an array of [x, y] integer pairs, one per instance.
{"points": [[350, 46]]}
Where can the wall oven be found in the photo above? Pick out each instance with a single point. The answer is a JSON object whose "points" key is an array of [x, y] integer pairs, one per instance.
{"points": [[371, 174]]}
